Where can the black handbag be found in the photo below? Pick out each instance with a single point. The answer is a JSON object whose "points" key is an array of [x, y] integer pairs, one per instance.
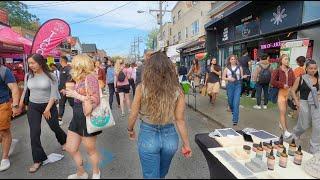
{"points": [[26, 97], [27, 94], [291, 104]]}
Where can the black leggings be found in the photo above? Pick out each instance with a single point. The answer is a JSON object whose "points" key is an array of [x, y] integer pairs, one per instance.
{"points": [[133, 86], [34, 114]]}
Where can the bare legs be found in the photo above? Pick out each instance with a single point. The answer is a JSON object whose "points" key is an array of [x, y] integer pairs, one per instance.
{"points": [[73, 144], [124, 98], [6, 139]]}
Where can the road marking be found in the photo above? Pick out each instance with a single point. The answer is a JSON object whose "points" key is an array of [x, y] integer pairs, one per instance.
{"points": [[106, 158]]}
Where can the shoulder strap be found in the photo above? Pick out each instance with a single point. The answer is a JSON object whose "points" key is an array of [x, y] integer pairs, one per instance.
{"points": [[307, 80], [3, 71]]}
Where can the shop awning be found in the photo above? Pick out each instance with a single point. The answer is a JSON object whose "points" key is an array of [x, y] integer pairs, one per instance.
{"points": [[172, 50], [236, 7], [191, 44]]}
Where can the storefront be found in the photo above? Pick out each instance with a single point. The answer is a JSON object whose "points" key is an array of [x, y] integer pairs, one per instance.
{"points": [[189, 52], [258, 28]]}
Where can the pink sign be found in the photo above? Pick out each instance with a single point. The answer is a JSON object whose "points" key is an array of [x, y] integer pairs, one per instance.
{"points": [[271, 45], [49, 36]]}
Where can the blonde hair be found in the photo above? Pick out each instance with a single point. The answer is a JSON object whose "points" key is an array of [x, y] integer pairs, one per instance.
{"points": [[160, 85], [282, 57], [117, 66], [82, 65]]}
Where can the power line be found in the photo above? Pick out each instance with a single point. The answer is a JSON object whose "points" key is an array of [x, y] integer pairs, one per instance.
{"points": [[101, 14], [36, 5], [65, 3]]}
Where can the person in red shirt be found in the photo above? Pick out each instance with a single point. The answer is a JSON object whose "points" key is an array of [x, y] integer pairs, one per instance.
{"points": [[101, 74], [283, 79]]}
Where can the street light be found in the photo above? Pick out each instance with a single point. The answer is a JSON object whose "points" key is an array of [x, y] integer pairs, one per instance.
{"points": [[139, 11]]}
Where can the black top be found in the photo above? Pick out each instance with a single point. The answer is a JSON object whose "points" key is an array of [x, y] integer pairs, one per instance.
{"points": [[244, 60], [183, 70], [65, 76], [305, 90], [139, 74], [213, 77]]}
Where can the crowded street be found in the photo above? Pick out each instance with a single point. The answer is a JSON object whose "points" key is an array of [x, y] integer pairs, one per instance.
{"points": [[118, 152], [159, 89]]}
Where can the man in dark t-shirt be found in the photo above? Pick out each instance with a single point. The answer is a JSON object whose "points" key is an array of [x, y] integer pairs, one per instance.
{"points": [[245, 63], [64, 77]]}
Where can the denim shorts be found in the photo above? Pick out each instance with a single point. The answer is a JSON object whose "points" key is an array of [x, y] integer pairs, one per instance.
{"points": [[157, 145]]}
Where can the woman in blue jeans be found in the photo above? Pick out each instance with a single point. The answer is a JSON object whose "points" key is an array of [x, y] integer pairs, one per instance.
{"points": [[160, 107], [233, 74]]}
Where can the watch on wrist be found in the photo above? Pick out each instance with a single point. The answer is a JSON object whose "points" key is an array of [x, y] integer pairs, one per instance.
{"points": [[15, 106]]}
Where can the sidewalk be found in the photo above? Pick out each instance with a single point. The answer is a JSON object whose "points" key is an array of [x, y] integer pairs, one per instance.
{"points": [[267, 120]]}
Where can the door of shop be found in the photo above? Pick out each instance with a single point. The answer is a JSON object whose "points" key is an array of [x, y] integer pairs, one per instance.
{"points": [[224, 53]]}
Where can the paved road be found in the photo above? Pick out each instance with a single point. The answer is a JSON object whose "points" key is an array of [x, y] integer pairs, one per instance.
{"points": [[120, 157]]}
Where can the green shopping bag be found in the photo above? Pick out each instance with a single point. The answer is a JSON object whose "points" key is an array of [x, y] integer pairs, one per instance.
{"points": [[185, 86]]}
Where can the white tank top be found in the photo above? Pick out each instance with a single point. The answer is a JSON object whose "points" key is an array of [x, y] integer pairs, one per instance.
{"points": [[238, 72]]}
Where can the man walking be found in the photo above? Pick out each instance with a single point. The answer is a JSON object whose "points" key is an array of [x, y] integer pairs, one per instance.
{"points": [[7, 83], [139, 71], [65, 77], [110, 82], [245, 63], [262, 77]]}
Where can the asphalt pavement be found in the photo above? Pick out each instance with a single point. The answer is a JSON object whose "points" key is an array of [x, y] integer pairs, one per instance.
{"points": [[119, 155]]}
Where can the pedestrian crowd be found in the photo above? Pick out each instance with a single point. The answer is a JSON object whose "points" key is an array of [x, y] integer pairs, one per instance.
{"points": [[158, 102], [296, 91], [159, 107]]}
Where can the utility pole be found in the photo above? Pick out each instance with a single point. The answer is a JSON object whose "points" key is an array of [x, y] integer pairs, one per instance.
{"points": [[138, 43], [134, 48], [159, 17]]}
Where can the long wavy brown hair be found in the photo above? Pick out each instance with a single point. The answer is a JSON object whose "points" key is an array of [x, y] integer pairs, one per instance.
{"points": [[160, 88]]}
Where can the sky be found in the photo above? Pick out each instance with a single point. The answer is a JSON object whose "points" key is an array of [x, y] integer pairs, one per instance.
{"points": [[115, 31]]}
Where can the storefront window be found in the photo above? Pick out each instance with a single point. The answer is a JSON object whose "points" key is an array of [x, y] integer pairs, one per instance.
{"points": [[237, 50], [247, 29], [311, 11]]}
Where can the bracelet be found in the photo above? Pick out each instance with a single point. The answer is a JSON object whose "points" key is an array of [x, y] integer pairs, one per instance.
{"points": [[130, 130]]}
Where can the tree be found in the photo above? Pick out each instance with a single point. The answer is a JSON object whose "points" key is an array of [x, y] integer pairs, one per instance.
{"points": [[19, 15], [115, 58], [152, 38]]}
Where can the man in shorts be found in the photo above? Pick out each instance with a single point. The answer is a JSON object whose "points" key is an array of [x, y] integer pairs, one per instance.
{"points": [[7, 109]]}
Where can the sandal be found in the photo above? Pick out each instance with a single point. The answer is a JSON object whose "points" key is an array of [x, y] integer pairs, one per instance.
{"points": [[64, 148], [34, 168]]}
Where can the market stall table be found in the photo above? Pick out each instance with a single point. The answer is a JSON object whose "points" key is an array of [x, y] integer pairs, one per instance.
{"points": [[221, 169]]}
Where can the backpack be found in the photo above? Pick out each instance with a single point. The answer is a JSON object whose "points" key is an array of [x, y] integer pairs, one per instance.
{"points": [[121, 76], [264, 75], [234, 73]]}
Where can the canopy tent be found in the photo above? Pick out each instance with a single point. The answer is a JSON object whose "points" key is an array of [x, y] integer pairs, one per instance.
{"points": [[13, 43]]}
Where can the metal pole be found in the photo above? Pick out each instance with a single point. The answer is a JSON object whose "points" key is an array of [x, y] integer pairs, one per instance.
{"points": [[160, 29], [138, 48], [134, 48]]}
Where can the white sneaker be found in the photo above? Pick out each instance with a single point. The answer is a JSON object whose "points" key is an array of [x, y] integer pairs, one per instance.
{"points": [[75, 176], [287, 135], [265, 107], [5, 164], [60, 123], [257, 107], [96, 176], [13, 146]]}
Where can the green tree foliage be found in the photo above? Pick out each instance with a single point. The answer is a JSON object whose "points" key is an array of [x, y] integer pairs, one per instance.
{"points": [[115, 58], [152, 39], [19, 15]]}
